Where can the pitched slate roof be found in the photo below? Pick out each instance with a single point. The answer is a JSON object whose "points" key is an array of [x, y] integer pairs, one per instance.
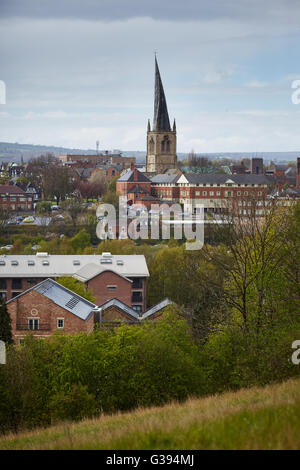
{"points": [[91, 270], [129, 177], [165, 178], [156, 308], [119, 304], [10, 189], [84, 172], [63, 297]]}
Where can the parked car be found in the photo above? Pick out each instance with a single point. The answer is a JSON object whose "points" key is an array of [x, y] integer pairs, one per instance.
{"points": [[6, 247], [28, 220]]}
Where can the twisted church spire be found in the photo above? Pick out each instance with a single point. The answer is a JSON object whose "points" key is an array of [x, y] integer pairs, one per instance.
{"points": [[161, 120]]}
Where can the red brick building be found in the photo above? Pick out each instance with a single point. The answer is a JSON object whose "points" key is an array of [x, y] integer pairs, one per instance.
{"points": [[13, 198], [216, 192], [136, 188], [48, 307], [108, 276]]}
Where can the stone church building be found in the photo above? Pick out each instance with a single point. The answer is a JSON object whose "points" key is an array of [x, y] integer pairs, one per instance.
{"points": [[161, 140]]}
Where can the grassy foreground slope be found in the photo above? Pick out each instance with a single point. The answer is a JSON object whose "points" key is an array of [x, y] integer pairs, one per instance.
{"points": [[256, 418]]}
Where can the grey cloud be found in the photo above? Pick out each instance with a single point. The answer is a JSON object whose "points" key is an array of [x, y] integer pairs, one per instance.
{"points": [[176, 10]]}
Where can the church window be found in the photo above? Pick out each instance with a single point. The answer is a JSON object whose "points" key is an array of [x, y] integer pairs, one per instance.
{"points": [[151, 145]]}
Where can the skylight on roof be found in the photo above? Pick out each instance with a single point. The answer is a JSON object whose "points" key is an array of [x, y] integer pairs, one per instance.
{"points": [[72, 303], [106, 261]]}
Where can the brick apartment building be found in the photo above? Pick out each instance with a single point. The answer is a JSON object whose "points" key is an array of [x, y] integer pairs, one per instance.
{"points": [[108, 276], [216, 192], [48, 306], [13, 198]]}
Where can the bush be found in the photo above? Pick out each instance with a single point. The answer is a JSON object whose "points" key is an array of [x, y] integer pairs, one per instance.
{"points": [[73, 405], [76, 376]]}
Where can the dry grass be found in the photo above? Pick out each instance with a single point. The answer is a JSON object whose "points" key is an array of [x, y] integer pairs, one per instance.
{"points": [[256, 418]]}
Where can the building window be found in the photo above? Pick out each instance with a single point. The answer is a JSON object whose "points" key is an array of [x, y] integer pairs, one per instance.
{"points": [[218, 193], [3, 284], [33, 323], [137, 283], [245, 193], [111, 287], [211, 193], [60, 323], [137, 308], [16, 284], [31, 282], [137, 297], [14, 294], [204, 193], [3, 296]]}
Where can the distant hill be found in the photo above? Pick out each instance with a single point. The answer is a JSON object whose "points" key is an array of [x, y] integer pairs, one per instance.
{"points": [[14, 151]]}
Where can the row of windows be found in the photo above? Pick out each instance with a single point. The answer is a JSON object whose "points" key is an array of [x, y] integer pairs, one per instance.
{"points": [[16, 283], [218, 185], [249, 211], [13, 198], [218, 193], [34, 323]]}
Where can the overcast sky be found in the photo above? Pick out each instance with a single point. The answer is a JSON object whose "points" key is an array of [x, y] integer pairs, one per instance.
{"points": [[80, 71]]}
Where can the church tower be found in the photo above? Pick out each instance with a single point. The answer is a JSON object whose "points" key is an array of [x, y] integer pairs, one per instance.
{"points": [[161, 140]]}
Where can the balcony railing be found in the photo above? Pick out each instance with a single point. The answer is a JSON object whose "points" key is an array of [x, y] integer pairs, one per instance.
{"points": [[40, 327]]}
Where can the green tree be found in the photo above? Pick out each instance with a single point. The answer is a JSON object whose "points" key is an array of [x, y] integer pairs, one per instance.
{"points": [[43, 207], [5, 323], [73, 209], [77, 287], [81, 241]]}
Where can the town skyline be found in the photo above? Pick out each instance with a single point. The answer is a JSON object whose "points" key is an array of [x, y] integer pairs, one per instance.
{"points": [[227, 77]]}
